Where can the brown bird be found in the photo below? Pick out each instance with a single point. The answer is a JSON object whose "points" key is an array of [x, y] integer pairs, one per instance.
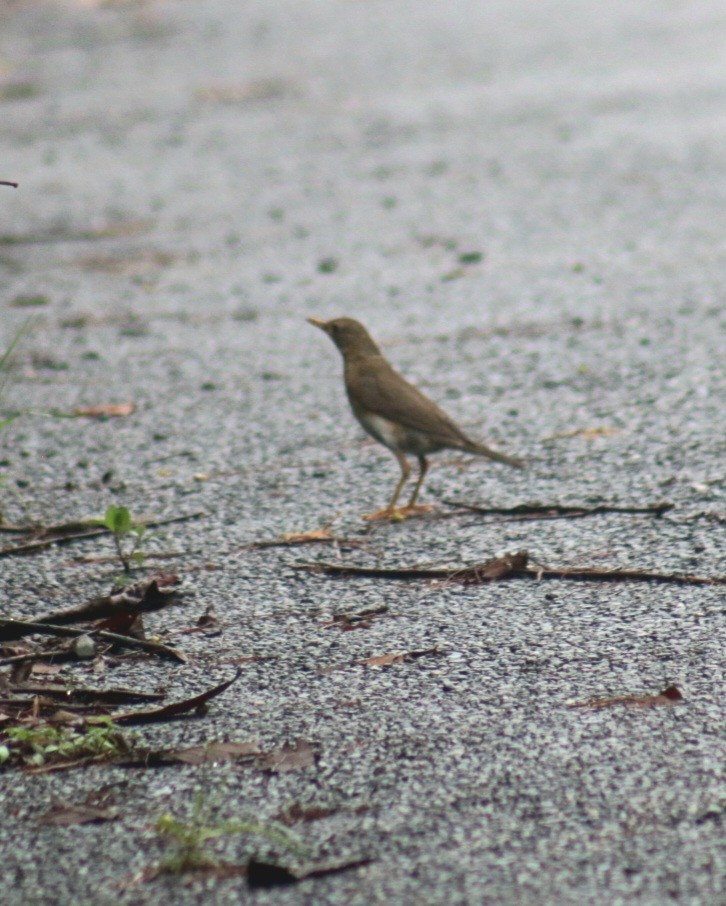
{"points": [[394, 412]]}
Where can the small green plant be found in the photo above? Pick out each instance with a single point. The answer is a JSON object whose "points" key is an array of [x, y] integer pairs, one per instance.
{"points": [[43, 744], [5, 359], [127, 535], [186, 839]]}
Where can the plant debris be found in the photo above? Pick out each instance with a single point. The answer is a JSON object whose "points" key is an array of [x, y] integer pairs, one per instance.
{"points": [[18, 628], [510, 566], [530, 511], [43, 747], [67, 814], [151, 594], [363, 619], [671, 695], [398, 657], [297, 812], [291, 757], [69, 695], [39, 537], [314, 536], [216, 752], [197, 703], [105, 410], [587, 433]]}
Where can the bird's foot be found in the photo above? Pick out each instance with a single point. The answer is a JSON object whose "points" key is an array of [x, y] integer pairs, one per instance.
{"points": [[416, 509], [386, 513], [398, 514]]}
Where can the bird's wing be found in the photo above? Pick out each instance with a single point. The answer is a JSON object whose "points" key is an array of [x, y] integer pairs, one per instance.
{"points": [[378, 388]]}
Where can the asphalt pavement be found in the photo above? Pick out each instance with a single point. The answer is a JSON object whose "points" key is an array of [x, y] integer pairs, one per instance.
{"points": [[525, 204]]}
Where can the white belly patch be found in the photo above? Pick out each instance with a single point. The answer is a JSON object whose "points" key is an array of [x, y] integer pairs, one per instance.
{"points": [[396, 437]]}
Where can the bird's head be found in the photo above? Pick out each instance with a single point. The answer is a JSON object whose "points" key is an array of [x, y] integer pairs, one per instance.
{"points": [[349, 335]]}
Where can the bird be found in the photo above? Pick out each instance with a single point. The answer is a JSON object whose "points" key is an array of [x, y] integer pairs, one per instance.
{"points": [[395, 413]]}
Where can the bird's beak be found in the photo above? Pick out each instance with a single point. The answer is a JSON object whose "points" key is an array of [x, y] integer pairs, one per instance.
{"points": [[318, 322]]}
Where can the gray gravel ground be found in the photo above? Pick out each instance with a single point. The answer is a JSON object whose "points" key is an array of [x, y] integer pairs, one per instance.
{"points": [[187, 170]]}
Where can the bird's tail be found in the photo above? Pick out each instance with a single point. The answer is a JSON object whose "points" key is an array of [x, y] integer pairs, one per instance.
{"points": [[482, 450]]}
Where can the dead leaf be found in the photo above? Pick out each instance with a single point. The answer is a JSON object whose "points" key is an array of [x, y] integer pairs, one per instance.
{"points": [[214, 752], [499, 568], [208, 623], [385, 660], [298, 812], [398, 657], [671, 695], [176, 709], [65, 814], [250, 659], [361, 620], [105, 410], [586, 433], [291, 757], [321, 534]]}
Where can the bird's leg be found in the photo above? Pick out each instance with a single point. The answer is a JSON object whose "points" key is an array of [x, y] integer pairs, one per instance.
{"points": [[390, 510], [411, 507]]}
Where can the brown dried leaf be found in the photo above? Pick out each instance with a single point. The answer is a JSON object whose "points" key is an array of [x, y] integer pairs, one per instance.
{"points": [[176, 709], [385, 660], [586, 433], [298, 812], [398, 657], [65, 814], [499, 568], [671, 695], [105, 410], [214, 752], [321, 534], [289, 758]]}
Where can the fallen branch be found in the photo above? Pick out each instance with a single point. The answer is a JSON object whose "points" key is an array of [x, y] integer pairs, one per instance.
{"points": [[85, 695], [510, 566], [5, 182], [142, 597], [624, 575], [16, 629], [41, 704], [527, 511], [500, 568], [73, 531]]}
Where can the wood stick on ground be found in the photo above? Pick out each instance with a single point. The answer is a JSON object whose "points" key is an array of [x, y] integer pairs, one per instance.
{"points": [[28, 627], [63, 534], [85, 694], [146, 596], [527, 511], [511, 566]]}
